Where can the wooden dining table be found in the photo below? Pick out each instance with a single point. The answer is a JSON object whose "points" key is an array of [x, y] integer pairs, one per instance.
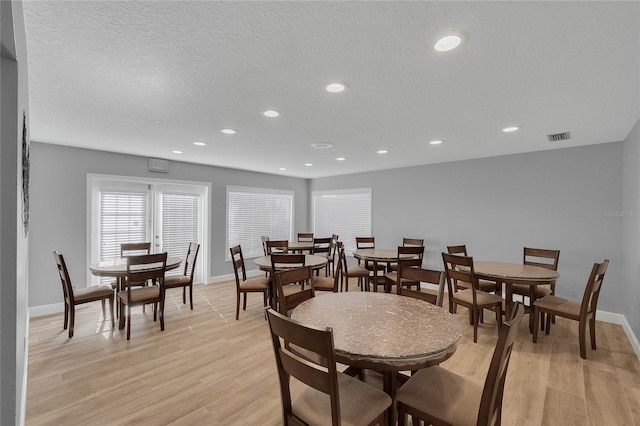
{"points": [[383, 332], [515, 273]]}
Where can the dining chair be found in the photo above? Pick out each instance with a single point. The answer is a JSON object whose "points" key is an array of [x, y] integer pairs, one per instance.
{"points": [[277, 246], [322, 247], [406, 242], [582, 312], [460, 269], [329, 283], [245, 286], [305, 237], [408, 256], [264, 240], [440, 397], [185, 280], [347, 272], [327, 396], [485, 285], [419, 275], [290, 288], [331, 259], [543, 258], [143, 268], [74, 297], [368, 243], [132, 249]]}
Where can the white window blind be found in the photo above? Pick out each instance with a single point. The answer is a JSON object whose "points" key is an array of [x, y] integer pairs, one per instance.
{"points": [[346, 213], [180, 217], [254, 212]]}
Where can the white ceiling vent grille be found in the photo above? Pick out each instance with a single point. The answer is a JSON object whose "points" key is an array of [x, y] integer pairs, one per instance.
{"points": [[157, 165], [557, 137]]}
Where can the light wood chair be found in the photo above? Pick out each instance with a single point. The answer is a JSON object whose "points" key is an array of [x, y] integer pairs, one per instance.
{"points": [[74, 297], [582, 312], [420, 275], [290, 288], [143, 268], [328, 397], [277, 246], [245, 286], [185, 280], [408, 256], [440, 397], [460, 269], [322, 247], [346, 272], [484, 285]]}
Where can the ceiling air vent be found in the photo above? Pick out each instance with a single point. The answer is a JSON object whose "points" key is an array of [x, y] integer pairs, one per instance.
{"points": [[556, 137], [157, 165]]}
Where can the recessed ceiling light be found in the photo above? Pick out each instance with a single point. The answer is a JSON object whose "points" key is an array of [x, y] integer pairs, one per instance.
{"points": [[283, 168], [271, 113], [382, 151], [450, 41], [322, 145], [175, 151], [510, 129], [199, 143], [341, 158], [308, 164], [336, 87], [436, 142], [228, 131]]}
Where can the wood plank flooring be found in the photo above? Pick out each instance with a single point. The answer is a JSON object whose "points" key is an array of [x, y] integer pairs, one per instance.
{"points": [[206, 368]]}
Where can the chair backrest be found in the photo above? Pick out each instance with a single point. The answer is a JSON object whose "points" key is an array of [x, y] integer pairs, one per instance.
{"points": [[278, 246], [190, 260], [287, 260], [65, 280], [544, 258], [264, 240], [306, 237], [592, 291], [459, 268], [132, 249], [238, 264], [322, 247], [287, 300], [461, 250], [412, 241], [410, 255], [365, 242], [491, 401], [286, 332], [421, 275], [146, 267]]}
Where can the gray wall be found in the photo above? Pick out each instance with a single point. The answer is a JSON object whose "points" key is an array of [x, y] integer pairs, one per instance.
{"points": [[551, 199], [59, 205], [631, 228], [14, 244]]}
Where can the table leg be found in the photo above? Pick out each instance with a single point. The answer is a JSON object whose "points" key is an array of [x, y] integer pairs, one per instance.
{"points": [[508, 308], [389, 384]]}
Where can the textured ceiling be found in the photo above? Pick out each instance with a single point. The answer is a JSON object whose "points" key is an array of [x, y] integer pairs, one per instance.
{"points": [[150, 77]]}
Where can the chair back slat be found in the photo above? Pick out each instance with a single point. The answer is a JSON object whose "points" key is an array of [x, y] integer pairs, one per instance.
{"points": [[190, 260], [237, 259], [306, 237], [321, 247], [592, 291], [420, 275], [277, 246], [132, 249], [365, 242], [264, 240], [544, 258], [459, 268], [301, 277], [147, 267], [65, 280], [412, 242], [460, 250]]}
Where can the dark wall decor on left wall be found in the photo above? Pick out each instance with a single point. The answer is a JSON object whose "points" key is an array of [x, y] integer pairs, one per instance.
{"points": [[25, 175]]}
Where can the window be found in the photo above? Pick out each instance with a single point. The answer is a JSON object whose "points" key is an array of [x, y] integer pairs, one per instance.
{"points": [[254, 212], [169, 215], [346, 213]]}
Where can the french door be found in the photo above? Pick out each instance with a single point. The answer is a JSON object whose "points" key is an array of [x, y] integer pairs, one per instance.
{"points": [[169, 215]]}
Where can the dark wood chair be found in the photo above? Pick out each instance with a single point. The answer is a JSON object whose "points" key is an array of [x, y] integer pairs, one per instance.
{"points": [[368, 243], [346, 272], [290, 288], [74, 297], [543, 258], [406, 242], [245, 286], [132, 249], [420, 275], [331, 259], [328, 397], [408, 256], [329, 283], [185, 280], [440, 397], [264, 240], [460, 269], [143, 268], [582, 312], [322, 247], [485, 285], [277, 246]]}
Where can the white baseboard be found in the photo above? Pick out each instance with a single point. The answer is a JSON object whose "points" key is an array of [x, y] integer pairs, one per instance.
{"points": [[622, 321], [38, 311], [232, 277]]}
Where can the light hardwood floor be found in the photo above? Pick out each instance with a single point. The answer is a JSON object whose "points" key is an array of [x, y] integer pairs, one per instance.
{"points": [[206, 368]]}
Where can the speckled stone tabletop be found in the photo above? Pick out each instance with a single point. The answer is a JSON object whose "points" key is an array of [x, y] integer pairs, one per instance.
{"points": [[383, 331]]}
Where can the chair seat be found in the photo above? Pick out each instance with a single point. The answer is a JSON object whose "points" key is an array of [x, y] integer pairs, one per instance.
{"points": [[176, 281], [483, 285], [444, 395], [555, 304], [255, 284], [360, 403], [483, 299], [141, 294], [523, 290], [89, 294], [324, 283], [358, 271], [393, 276]]}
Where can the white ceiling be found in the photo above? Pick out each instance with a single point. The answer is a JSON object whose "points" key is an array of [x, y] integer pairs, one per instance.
{"points": [[149, 77]]}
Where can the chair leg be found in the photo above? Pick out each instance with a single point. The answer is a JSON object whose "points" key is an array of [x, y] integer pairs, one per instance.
{"points": [[237, 305], [66, 315], [498, 310], [72, 319], [244, 302], [129, 321], [104, 311], [401, 415], [583, 339], [592, 331], [536, 323], [191, 295], [547, 327], [161, 314], [113, 322], [475, 325], [184, 295]]}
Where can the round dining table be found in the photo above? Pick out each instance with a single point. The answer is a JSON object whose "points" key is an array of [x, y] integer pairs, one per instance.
{"points": [[117, 268], [376, 255], [383, 332]]}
